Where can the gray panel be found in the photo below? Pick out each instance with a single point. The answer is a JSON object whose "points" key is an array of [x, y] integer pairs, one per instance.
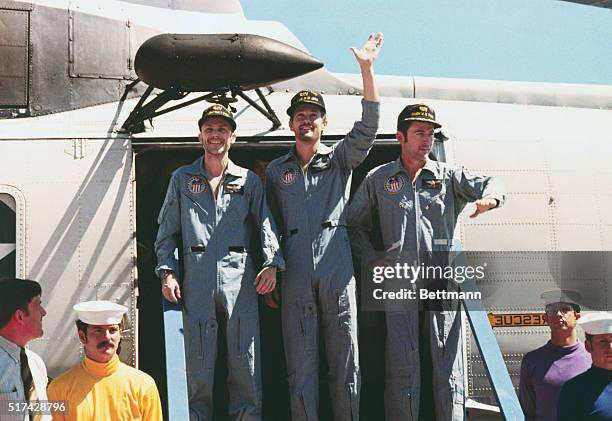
{"points": [[99, 47], [14, 58], [14, 63], [52, 88], [13, 27], [13, 92]]}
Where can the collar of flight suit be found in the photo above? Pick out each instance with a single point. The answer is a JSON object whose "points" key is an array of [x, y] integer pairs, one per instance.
{"points": [[197, 168], [321, 150], [432, 166]]}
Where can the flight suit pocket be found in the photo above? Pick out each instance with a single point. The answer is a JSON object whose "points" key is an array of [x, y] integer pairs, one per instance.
{"points": [[402, 340], [397, 211], [247, 334], [402, 398], [432, 199], [288, 201], [203, 343], [308, 325], [234, 201], [195, 341]]}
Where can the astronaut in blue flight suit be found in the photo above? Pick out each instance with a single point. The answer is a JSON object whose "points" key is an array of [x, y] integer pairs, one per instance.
{"points": [[308, 189], [216, 208], [417, 201]]}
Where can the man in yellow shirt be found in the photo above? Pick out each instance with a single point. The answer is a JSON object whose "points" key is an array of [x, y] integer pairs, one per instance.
{"points": [[101, 387]]}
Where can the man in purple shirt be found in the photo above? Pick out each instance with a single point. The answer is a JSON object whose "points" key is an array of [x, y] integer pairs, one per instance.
{"points": [[546, 369]]}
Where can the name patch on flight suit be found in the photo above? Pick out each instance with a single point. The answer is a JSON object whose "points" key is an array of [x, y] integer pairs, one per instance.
{"points": [[234, 188], [432, 184], [196, 185], [289, 176], [394, 184], [321, 164]]}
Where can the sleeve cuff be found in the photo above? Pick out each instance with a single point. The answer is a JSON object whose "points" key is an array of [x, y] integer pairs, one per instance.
{"points": [[370, 113], [276, 261], [161, 268]]}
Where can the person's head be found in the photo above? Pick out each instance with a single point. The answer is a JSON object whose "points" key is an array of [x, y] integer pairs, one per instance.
{"points": [[561, 316], [598, 338], [21, 310], [561, 311], [416, 125], [217, 130], [99, 326], [307, 116]]}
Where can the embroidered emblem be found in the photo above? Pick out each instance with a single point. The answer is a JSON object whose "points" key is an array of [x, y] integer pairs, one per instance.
{"points": [[196, 185], [432, 184], [289, 176], [234, 188], [405, 204], [394, 184]]}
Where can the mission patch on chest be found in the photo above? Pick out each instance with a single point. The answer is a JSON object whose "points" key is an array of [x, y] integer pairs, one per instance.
{"points": [[394, 184], [196, 185], [289, 176]]}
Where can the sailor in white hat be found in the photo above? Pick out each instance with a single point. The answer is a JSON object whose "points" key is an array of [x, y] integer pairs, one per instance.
{"points": [[589, 395], [92, 386], [105, 319], [100, 312], [546, 369]]}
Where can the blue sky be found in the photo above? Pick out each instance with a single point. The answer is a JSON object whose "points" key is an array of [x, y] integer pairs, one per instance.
{"points": [[533, 40]]}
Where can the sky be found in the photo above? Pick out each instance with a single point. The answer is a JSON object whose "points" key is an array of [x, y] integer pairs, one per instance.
{"points": [[527, 40]]}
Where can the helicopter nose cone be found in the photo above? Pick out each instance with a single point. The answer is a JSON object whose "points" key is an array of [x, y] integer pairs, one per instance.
{"points": [[207, 62]]}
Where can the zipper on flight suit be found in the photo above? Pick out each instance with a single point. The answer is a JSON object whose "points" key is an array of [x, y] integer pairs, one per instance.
{"points": [[304, 171], [216, 221], [417, 211]]}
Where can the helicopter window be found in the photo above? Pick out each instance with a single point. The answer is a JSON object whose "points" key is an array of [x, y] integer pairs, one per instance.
{"points": [[8, 234]]}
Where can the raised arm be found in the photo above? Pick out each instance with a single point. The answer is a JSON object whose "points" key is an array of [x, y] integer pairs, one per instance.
{"points": [[365, 57], [354, 148]]}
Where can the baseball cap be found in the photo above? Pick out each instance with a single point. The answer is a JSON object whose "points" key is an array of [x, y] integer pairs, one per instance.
{"points": [[306, 97], [217, 110], [418, 112]]}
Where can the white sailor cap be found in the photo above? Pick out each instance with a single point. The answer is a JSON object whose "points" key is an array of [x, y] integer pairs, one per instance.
{"points": [[561, 296], [596, 323], [100, 312]]}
